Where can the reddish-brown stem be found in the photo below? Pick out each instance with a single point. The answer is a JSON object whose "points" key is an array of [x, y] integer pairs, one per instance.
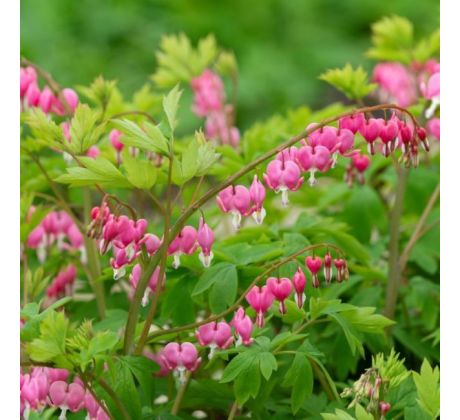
{"points": [[233, 307]]}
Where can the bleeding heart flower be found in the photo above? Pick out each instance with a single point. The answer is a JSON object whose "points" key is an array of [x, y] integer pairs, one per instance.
{"points": [[280, 288], [260, 300], [215, 335], [205, 239], [257, 194], [243, 327], [313, 159], [283, 176], [370, 130], [299, 281], [181, 357], [352, 122], [184, 243], [235, 200], [314, 265]]}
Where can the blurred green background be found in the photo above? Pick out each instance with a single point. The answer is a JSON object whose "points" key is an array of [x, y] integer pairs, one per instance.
{"points": [[281, 46]]}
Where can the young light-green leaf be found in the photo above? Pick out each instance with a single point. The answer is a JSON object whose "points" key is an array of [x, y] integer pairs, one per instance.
{"points": [[171, 106]]}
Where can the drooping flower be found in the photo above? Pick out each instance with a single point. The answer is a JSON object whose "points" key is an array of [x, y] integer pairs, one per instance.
{"points": [[243, 327], [282, 176], [280, 288], [327, 268], [181, 357], [257, 194], [67, 397], [215, 335], [431, 91], [209, 93], [341, 266], [312, 159], [352, 122], [151, 288], [370, 130], [396, 83], [434, 128], [205, 239], [184, 243], [235, 199], [314, 264], [260, 299], [299, 281]]}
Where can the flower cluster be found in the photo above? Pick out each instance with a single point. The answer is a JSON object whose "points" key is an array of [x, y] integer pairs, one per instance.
{"points": [[280, 288], [32, 96], [220, 335], [240, 201], [189, 239], [63, 283], [209, 102], [56, 226], [405, 85], [43, 387], [215, 335]]}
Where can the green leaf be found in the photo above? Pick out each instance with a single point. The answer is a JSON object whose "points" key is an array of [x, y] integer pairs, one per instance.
{"points": [[362, 414], [267, 364], [141, 173], [428, 393], [223, 292], [143, 368], [427, 47], [300, 378], [45, 129], [178, 61], [178, 302], [247, 384], [123, 385], [50, 345], [223, 270], [96, 171], [171, 105], [238, 364], [84, 130], [100, 91], [338, 415], [150, 139], [393, 40], [354, 83]]}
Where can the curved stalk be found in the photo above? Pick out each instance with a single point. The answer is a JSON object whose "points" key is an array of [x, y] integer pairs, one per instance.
{"points": [[232, 308]]}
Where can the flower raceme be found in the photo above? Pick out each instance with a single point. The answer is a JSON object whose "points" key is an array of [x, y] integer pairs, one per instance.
{"points": [[44, 386], [31, 96], [209, 103], [56, 227]]}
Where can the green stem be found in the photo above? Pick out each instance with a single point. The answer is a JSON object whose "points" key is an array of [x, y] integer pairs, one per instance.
{"points": [[112, 394], [233, 411], [394, 272], [180, 394]]}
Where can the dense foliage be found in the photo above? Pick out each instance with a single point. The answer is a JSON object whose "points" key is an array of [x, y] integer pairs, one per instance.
{"points": [[277, 271]]}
